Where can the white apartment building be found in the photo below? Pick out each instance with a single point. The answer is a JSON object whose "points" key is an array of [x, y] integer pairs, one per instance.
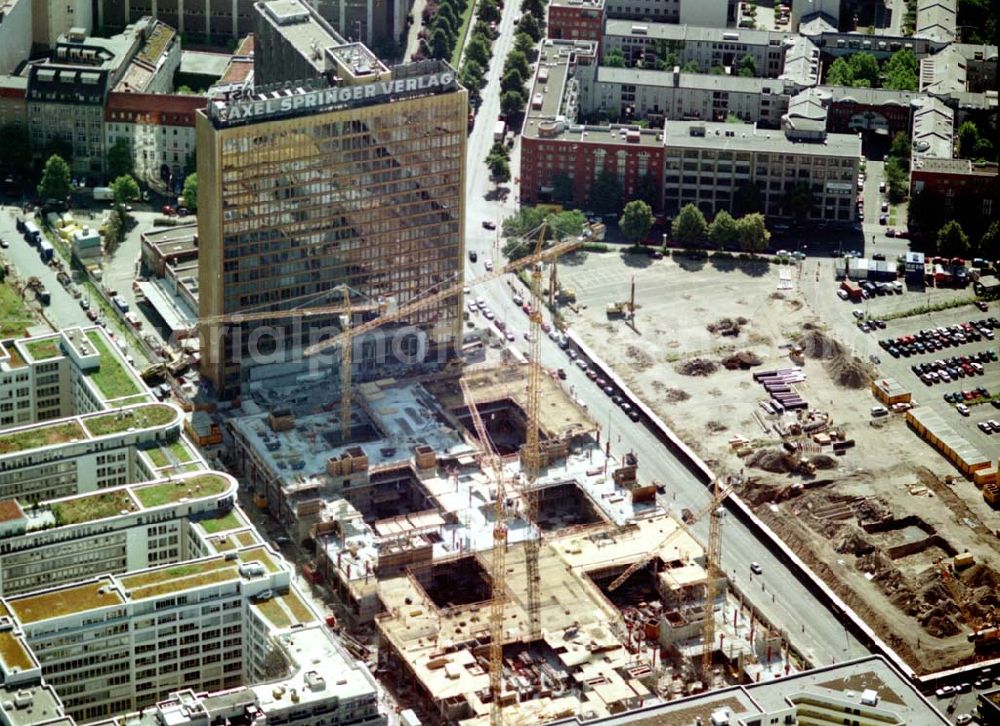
{"points": [[705, 163], [112, 530], [75, 371], [85, 453], [623, 93], [155, 637], [709, 47]]}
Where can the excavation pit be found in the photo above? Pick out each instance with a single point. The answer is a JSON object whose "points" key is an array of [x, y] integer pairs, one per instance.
{"points": [[566, 505], [395, 494], [504, 421], [453, 583]]}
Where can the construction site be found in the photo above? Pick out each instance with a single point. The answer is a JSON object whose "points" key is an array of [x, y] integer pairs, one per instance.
{"points": [[770, 375]]}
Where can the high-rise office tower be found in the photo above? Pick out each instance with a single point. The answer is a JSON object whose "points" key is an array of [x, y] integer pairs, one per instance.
{"points": [[340, 171]]}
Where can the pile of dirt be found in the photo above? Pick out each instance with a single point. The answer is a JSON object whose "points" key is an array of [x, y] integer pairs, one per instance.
{"points": [[852, 541], [819, 346], [777, 296], [640, 359], [727, 326], [716, 427], [676, 395], [823, 461], [742, 360], [697, 367], [849, 372], [872, 509], [773, 460]]}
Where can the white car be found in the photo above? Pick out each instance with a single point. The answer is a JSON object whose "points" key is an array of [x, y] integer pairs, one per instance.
{"points": [[510, 336], [488, 264], [473, 308], [962, 409], [842, 294], [488, 314], [756, 569]]}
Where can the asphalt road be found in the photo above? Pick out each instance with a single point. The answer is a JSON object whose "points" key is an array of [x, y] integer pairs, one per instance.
{"points": [[63, 311], [814, 630]]}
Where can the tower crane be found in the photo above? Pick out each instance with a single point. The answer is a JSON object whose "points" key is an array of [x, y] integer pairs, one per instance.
{"points": [[415, 306], [346, 310], [717, 499], [713, 554], [499, 558]]}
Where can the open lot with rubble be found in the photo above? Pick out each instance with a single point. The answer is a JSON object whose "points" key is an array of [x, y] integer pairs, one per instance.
{"points": [[881, 521]]}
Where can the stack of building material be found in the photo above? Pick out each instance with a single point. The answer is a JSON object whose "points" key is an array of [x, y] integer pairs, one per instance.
{"points": [[778, 384]]}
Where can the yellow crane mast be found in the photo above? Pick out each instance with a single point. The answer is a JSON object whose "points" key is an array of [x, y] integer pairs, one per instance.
{"points": [[346, 310], [532, 455], [499, 574], [713, 555], [405, 311]]}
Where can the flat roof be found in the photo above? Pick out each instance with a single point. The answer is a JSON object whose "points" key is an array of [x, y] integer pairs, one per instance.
{"points": [[934, 422], [704, 81], [13, 652], [843, 683], [137, 417], [301, 27], [747, 137], [694, 33], [170, 307], [65, 600], [319, 666]]}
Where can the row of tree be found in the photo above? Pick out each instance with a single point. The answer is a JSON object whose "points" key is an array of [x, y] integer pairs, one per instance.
{"points": [[862, 70], [517, 68], [479, 51], [690, 228], [444, 22]]}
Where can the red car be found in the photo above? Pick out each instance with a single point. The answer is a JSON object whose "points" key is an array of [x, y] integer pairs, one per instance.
{"points": [[168, 210]]}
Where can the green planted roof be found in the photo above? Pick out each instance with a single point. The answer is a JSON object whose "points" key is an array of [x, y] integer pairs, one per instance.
{"points": [[112, 377], [192, 487], [37, 437], [119, 421]]}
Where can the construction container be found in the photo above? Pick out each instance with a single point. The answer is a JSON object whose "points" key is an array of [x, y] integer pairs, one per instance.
{"points": [[964, 559]]}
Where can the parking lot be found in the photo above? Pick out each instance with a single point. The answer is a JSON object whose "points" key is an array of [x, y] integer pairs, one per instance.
{"points": [[951, 354]]}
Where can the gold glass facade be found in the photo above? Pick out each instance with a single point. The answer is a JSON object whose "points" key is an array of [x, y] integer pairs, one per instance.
{"points": [[371, 197]]}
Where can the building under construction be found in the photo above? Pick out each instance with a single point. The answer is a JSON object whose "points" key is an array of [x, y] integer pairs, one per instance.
{"points": [[403, 517]]}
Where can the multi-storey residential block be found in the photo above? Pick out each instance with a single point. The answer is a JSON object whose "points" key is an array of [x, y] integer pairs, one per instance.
{"points": [[709, 47], [950, 182], [211, 20], [158, 128], [712, 13], [68, 91], [314, 184], [631, 93], [75, 371], [689, 161], [576, 20]]}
